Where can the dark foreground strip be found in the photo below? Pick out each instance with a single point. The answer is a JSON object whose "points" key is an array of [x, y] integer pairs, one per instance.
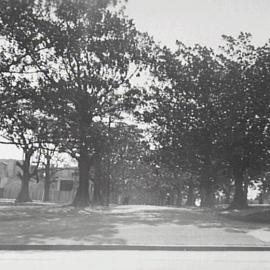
{"points": [[138, 248]]}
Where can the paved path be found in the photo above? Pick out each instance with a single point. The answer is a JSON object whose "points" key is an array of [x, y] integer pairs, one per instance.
{"points": [[125, 225], [135, 260]]}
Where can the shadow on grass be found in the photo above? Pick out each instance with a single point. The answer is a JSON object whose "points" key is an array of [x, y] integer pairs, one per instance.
{"points": [[41, 225]]}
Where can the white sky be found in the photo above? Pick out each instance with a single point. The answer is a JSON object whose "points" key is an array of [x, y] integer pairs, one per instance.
{"points": [[193, 21], [201, 21], [10, 152]]}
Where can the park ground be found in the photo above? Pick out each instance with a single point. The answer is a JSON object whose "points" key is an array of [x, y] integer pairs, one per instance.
{"points": [[132, 225], [134, 260]]}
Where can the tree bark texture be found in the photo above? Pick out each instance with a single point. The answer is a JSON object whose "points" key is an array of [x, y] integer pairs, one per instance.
{"points": [[47, 183], [240, 194], [99, 183], [23, 195], [82, 198], [179, 198], [191, 198], [206, 191]]}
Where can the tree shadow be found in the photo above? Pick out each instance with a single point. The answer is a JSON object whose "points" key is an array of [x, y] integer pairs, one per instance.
{"points": [[53, 225], [121, 225]]}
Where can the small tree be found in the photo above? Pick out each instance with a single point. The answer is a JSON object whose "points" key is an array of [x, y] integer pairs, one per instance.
{"points": [[49, 167]]}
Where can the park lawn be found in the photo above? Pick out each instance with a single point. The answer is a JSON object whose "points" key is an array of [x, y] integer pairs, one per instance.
{"points": [[140, 225], [255, 213]]}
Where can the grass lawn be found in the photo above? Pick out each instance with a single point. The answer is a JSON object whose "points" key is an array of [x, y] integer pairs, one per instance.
{"points": [[40, 223], [255, 213]]}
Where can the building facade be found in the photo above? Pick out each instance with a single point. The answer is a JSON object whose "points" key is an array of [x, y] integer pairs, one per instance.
{"points": [[63, 185]]}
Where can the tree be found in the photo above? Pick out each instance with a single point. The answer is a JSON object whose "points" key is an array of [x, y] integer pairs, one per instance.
{"points": [[82, 53], [20, 126], [183, 111], [48, 169], [210, 113], [122, 158], [244, 136], [132, 170]]}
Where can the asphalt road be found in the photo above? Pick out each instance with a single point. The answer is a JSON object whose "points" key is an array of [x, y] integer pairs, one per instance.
{"points": [[126, 225]]}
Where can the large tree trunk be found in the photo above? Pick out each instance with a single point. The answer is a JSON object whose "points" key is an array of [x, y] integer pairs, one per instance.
{"points": [[178, 188], [207, 199], [107, 190], [114, 193], [98, 198], [101, 185], [191, 198], [206, 191], [46, 195], [261, 198], [240, 195], [47, 183], [227, 191], [82, 198], [179, 198], [23, 195], [107, 182]]}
